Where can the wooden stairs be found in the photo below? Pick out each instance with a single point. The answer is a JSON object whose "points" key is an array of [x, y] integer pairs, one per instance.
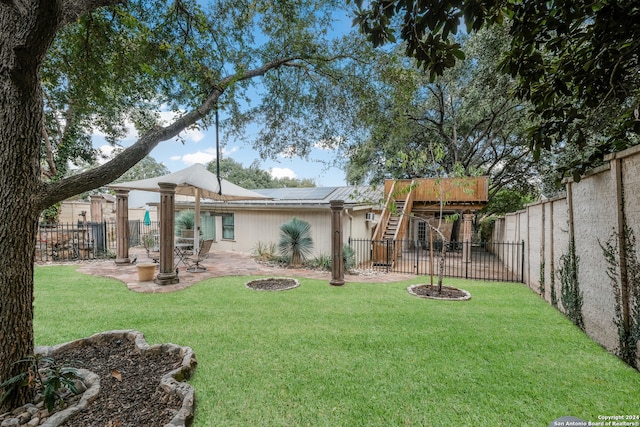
{"points": [[392, 228]]}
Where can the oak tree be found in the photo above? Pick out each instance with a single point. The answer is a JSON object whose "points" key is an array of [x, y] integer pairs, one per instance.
{"points": [[68, 67], [577, 62]]}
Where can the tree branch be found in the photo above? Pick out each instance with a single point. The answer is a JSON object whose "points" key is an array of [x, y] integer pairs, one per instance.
{"points": [[51, 193], [71, 10]]}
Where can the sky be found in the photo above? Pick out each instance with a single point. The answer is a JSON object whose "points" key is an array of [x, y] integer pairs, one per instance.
{"points": [[199, 146]]}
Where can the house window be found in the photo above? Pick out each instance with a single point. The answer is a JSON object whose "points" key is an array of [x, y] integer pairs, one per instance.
{"points": [[422, 231], [227, 227]]}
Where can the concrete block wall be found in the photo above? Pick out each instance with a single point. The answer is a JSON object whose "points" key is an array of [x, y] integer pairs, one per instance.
{"points": [[593, 210]]}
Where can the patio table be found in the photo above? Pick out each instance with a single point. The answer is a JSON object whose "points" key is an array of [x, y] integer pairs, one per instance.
{"points": [[182, 250]]}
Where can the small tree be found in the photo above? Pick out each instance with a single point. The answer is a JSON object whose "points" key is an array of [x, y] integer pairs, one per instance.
{"points": [[295, 240]]}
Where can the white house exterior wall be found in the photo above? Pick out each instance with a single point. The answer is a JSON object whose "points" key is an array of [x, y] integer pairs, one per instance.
{"points": [[253, 226]]}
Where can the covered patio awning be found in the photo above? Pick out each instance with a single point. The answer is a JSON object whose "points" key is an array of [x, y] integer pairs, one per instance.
{"points": [[194, 181]]}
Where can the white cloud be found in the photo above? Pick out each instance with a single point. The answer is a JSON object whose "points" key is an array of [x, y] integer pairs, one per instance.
{"points": [[193, 134], [203, 156], [282, 173]]}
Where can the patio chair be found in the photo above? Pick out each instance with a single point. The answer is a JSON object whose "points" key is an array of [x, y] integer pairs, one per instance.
{"points": [[203, 254]]}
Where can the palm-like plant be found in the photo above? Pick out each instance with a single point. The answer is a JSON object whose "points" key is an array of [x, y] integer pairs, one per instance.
{"points": [[295, 240], [185, 221]]}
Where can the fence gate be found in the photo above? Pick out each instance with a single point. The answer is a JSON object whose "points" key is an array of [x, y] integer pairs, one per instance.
{"points": [[480, 261]]}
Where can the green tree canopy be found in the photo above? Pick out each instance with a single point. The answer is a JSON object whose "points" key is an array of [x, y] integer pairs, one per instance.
{"points": [[576, 61], [464, 122], [145, 168], [253, 177], [69, 68]]}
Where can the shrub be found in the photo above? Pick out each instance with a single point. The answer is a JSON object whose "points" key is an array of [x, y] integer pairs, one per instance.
{"points": [[265, 251], [44, 376], [186, 220], [295, 240], [323, 262], [348, 257]]}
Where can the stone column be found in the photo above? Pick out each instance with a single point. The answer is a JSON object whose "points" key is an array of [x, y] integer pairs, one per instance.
{"points": [[337, 264], [96, 208], [122, 227], [466, 236], [167, 274]]}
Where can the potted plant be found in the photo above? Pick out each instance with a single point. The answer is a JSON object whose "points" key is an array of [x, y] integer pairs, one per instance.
{"points": [[185, 223]]}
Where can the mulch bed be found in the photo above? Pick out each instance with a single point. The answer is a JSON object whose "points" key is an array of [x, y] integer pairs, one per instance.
{"points": [[431, 291], [273, 284], [129, 394]]}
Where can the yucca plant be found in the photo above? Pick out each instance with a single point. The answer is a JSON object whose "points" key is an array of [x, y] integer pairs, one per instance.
{"points": [[295, 241]]}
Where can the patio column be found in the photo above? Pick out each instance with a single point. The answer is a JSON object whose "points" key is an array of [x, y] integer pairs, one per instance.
{"points": [[167, 274], [337, 264], [122, 227], [96, 208], [466, 236]]}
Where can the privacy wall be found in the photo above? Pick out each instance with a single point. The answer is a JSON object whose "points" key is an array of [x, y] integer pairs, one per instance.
{"points": [[581, 253]]}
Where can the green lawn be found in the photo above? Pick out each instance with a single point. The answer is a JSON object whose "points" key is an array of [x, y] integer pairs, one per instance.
{"points": [[359, 355]]}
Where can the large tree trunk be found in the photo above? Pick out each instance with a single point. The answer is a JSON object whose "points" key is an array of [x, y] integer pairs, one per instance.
{"points": [[27, 29], [22, 46]]}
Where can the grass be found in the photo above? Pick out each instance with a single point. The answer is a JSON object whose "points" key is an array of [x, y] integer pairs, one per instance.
{"points": [[358, 355]]}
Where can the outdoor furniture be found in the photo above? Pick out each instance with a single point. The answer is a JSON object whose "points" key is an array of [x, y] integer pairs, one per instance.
{"points": [[203, 253], [182, 251]]}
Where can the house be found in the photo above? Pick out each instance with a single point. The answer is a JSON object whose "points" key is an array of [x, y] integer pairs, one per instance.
{"points": [[401, 210], [244, 225], [413, 208]]}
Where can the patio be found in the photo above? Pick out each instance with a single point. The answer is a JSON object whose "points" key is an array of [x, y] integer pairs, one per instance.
{"points": [[218, 264]]}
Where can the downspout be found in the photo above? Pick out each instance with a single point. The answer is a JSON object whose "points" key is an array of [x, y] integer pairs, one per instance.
{"points": [[346, 212]]}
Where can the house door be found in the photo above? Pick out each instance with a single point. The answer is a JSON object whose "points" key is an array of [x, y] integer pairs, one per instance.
{"points": [[208, 227]]}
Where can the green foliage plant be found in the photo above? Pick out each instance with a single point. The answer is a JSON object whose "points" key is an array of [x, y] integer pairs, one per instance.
{"points": [[186, 220], [322, 262], [45, 376], [628, 329], [265, 251], [51, 214], [348, 257], [295, 241], [570, 293]]}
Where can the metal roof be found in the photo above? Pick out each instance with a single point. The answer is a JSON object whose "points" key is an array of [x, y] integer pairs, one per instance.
{"points": [[312, 196], [323, 195]]}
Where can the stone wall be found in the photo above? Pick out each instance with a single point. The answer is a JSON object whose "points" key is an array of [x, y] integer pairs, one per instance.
{"points": [[592, 212]]}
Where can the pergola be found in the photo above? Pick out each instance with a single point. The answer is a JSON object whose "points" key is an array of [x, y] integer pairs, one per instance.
{"points": [[195, 181]]}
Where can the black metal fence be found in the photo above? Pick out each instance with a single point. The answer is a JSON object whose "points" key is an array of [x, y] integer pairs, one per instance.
{"points": [[481, 261], [86, 240]]}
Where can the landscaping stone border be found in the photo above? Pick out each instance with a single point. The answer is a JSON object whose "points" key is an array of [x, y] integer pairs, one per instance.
{"points": [[171, 383], [465, 297]]}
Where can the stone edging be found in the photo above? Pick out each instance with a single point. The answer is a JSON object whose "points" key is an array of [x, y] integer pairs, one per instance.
{"points": [[467, 294], [295, 284], [171, 383]]}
